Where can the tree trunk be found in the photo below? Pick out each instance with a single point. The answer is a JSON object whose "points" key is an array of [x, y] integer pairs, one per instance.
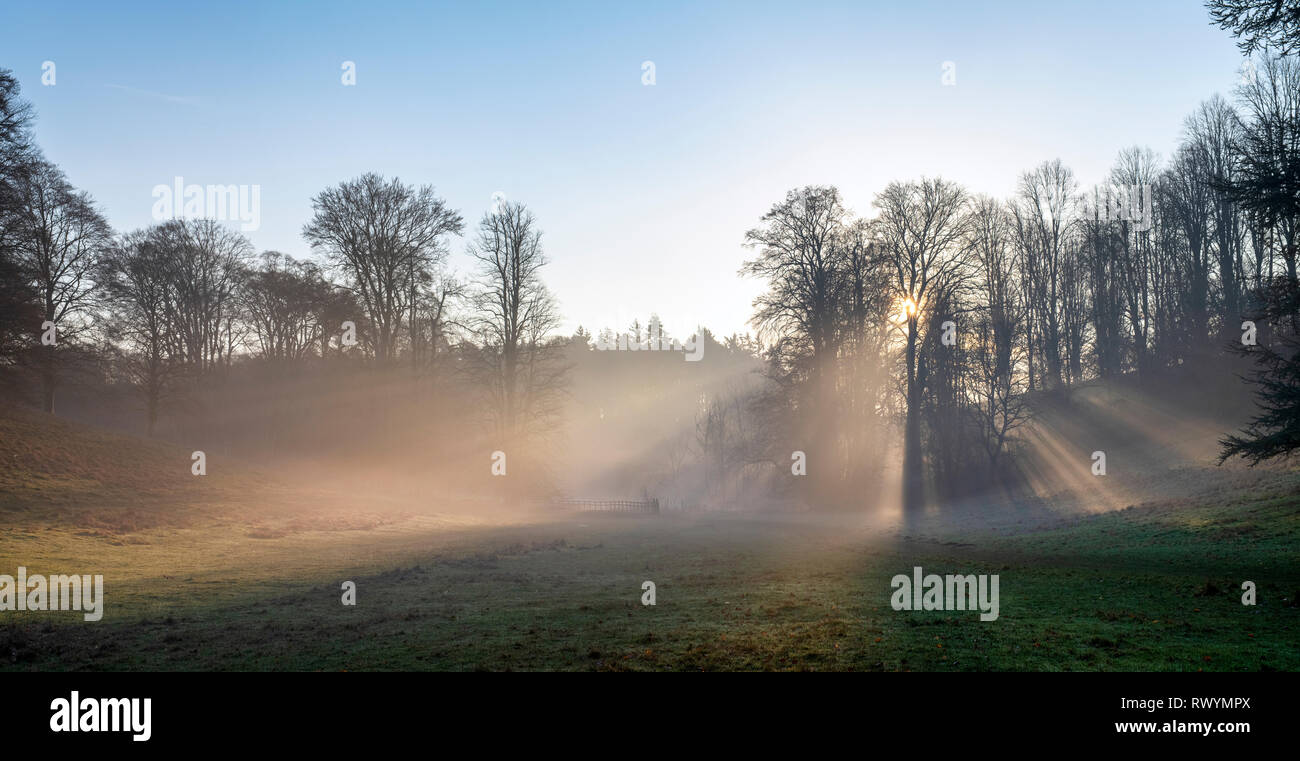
{"points": [[48, 380], [912, 472]]}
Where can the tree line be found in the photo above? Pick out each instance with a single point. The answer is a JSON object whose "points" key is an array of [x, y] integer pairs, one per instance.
{"points": [[937, 320], [177, 302], [947, 310]]}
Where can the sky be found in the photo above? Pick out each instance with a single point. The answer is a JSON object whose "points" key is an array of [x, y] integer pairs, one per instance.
{"points": [[644, 192]]}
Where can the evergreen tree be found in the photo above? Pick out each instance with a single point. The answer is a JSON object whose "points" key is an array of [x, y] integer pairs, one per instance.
{"points": [[1275, 431]]}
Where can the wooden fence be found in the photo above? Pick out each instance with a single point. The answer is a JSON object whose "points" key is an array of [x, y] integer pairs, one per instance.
{"points": [[610, 505]]}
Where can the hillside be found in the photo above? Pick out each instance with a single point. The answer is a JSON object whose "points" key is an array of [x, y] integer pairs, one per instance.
{"points": [[60, 474]]}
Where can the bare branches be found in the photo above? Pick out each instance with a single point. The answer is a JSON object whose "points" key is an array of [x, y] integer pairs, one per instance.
{"points": [[380, 234], [515, 314]]}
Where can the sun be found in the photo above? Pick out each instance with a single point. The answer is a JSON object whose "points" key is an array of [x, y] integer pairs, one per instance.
{"points": [[906, 309]]}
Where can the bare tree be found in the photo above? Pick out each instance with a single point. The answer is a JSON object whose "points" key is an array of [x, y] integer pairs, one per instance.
{"points": [[998, 385], [1134, 170], [55, 237], [16, 117], [443, 292], [19, 308], [1188, 195], [514, 316], [1212, 132], [139, 296], [207, 261], [798, 256], [802, 248], [1267, 180], [1043, 212], [862, 386], [284, 300], [382, 235], [922, 227]]}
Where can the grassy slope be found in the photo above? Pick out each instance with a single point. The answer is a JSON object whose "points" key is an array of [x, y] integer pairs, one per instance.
{"points": [[53, 472], [1153, 587]]}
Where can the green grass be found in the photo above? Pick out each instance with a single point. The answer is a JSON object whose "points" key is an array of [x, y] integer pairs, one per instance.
{"points": [[237, 573], [1154, 588]]}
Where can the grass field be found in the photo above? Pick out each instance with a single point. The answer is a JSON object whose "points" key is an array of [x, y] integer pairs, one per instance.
{"points": [[225, 576]]}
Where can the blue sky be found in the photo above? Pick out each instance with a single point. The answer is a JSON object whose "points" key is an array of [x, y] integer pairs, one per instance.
{"points": [[644, 192]]}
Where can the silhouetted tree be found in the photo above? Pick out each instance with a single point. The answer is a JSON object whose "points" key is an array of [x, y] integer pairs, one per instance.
{"points": [[1275, 432], [55, 237], [922, 226], [521, 367], [139, 296], [1260, 23], [381, 235]]}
